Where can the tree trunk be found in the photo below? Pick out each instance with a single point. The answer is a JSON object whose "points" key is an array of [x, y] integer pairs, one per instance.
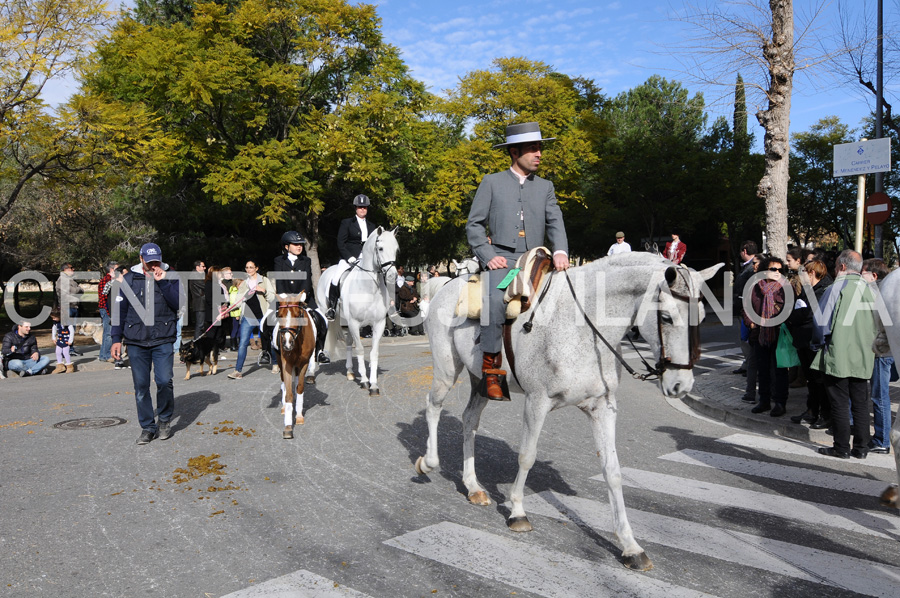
{"points": [[776, 120], [313, 237]]}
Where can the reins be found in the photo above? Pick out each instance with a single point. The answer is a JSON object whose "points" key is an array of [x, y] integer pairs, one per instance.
{"points": [[664, 362], [652, 373]]}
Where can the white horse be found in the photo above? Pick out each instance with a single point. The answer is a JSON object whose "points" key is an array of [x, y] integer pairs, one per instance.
{"points": [[433, 285], [562, 361], [890, 293], [366, 293]]}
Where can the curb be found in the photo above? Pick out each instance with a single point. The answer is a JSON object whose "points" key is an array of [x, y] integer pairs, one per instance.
{"points": [[749, 423]]}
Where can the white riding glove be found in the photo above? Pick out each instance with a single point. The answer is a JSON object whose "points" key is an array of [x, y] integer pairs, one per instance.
{"points": [[351, 260]]}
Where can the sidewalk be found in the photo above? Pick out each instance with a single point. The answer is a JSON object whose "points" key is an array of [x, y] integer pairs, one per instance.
{"points": [[717, 395]]}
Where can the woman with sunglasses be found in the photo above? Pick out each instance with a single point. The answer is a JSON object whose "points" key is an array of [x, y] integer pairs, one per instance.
{"points": [[767, 299]]}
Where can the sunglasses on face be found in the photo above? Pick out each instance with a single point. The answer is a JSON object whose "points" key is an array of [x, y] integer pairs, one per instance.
{"points": [[780, 270]]}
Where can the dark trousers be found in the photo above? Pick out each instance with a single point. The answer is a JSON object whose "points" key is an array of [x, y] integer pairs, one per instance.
{"points": [[199, 323], [773, 381], [846, 395], [159, 360], [493, 309], [816, 400]]}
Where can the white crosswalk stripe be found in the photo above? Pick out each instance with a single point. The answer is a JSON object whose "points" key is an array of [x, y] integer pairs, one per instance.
{"points": [[795, 448], [774, 471], [870, 523], [299, 584], [744, 549], [537, 570]]}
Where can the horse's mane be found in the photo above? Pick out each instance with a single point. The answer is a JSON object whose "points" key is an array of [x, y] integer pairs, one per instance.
{"points": [[611, 267]]}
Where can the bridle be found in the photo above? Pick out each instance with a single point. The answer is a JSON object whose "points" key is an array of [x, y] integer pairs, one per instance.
{"points": [[380, 267], [292, 330], [665, 362]]}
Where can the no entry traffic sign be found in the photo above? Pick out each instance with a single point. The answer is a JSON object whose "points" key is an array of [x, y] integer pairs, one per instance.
{"points": [[878, 208]]}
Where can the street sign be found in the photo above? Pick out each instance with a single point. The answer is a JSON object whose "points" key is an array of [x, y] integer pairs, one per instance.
{"points": [[862, 157], [878, 208]]}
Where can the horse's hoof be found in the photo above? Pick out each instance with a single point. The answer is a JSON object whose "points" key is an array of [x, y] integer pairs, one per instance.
{"points": [[299, 420], [288, 433], [374, 392], [480, 498], [350, 377], [638, 562], [519, 524], [421, 468], [311, 380], [891, 497]]}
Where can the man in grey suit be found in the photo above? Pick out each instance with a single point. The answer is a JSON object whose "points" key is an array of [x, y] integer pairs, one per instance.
{"points": [[517, 210]]}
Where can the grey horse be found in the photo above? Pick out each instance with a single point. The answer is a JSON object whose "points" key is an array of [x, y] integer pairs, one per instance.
{"points": [[562, 361]]}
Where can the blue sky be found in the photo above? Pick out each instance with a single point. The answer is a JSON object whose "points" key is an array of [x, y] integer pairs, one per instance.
{"points": [[617, 43]]}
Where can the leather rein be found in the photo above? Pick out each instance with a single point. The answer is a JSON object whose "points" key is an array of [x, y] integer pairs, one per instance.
{"points": [[664, 363]]}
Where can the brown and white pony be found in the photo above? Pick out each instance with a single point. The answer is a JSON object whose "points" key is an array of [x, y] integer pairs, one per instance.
{"points": [[295, 338]]}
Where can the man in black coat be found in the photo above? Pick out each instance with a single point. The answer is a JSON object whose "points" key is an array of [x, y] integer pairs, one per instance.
{"points": [[352, 236], [295, 277]]}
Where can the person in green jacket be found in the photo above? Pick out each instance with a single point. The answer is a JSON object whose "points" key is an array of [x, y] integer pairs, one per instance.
{"points": [[843, 335]]}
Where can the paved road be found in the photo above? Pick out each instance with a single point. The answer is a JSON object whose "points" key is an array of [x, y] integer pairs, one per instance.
{"points": [[339, 511]]}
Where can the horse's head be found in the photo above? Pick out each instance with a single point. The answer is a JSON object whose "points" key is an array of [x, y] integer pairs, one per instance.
{"points": [[379, 254], [291, 318], [674, 332], [469, 265]]}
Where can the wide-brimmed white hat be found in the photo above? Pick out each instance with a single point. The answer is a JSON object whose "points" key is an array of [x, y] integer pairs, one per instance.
{"points": [[522, 133]]}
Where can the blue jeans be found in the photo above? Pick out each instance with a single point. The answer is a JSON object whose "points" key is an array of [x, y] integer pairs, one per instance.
{"points": [[106, 344], [881, 401], [245, 332], [29, 366], [160, 359]]}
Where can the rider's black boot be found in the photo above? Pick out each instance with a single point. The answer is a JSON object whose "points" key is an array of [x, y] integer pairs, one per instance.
{"points": [[334, 293]]}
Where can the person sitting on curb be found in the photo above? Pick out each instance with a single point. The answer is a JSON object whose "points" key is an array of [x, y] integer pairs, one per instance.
{"points": [[20, 352]]}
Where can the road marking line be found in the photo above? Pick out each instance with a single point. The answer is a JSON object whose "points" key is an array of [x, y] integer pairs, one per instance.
{"points": [[774, 471], [859, 521], [782, 558], [531, 568], [299, 584], [800, 449]]}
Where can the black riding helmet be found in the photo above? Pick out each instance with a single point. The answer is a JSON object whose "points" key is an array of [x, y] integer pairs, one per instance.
{"points": [[292, 237], [361, 201]]}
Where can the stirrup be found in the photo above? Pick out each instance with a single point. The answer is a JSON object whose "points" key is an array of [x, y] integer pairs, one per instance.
{"points": [[501, 380]]}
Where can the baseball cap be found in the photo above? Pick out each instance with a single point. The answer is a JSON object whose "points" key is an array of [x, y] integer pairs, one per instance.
{"points": [[151, 252]]}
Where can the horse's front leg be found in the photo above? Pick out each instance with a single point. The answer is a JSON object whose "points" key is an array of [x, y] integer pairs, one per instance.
{"points": [[536, 409], [310, 376], [287, 399], [471, 419], [377, 332], [352, 338], [603, 422], [891, 496], [298, 401]]}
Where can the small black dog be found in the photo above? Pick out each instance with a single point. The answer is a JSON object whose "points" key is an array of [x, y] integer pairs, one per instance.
{"points": [[201, 350]]}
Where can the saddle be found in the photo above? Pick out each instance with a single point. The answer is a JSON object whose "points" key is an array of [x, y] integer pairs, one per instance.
{"points": [[533, 266]]}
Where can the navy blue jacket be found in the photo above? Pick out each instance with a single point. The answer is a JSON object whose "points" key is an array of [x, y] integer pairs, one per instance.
{"points": [[129, 327], [300, 279]]}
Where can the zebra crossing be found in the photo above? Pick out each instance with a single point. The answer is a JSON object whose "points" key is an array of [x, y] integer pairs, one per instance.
{"points": [[843, 559], [713, 356]]}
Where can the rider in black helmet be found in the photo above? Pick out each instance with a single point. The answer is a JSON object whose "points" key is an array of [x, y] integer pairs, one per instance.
{"points": [[351, 236], [296, 277]]}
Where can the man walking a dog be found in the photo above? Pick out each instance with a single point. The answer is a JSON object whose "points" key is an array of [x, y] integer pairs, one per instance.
{"points": [[517, 209], [143, 317]]}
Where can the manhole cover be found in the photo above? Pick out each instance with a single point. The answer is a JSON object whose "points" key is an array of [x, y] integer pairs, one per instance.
{"points": [[86, 423]]}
